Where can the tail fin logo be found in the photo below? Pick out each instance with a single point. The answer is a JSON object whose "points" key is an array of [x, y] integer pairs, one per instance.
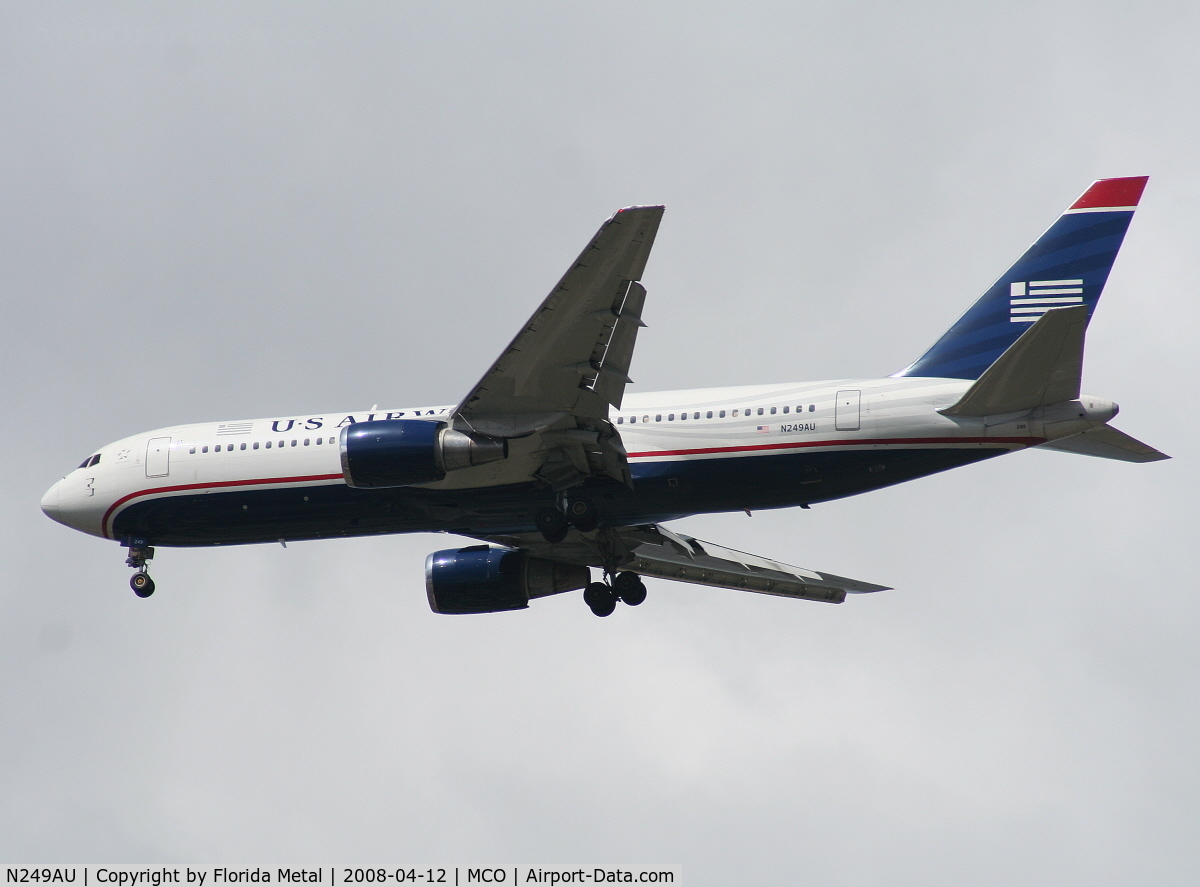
{"points": [[1029, 300], [1066, 266]]}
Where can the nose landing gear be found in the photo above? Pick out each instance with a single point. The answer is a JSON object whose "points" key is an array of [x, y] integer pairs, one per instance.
{"points": [[140, 582]]}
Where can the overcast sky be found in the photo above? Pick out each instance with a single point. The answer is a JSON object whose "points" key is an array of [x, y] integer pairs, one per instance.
{"points": [[229, 210]]}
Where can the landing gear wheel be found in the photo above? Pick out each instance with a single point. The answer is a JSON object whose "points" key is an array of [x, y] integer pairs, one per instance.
{"points": [[582, 515], [600, 598], [552, 523], [629, 588], [142, 584]]}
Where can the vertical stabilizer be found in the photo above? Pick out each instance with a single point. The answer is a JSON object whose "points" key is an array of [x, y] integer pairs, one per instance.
{"points": [[1067, 266]]}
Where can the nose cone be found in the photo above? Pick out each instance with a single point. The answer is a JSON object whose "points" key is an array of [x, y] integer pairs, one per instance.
{"points": [[50, 503]]}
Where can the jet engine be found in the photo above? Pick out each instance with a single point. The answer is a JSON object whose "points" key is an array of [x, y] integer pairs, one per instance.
{"points": [[482, 579], [403, 452]]}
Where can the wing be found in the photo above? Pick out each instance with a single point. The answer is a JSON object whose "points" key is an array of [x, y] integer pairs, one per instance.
{"points": [[656, 551], [570, 361]]}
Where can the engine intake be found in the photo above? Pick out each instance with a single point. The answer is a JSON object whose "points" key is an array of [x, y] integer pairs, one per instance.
{"points": [[482, 579], [404, 452]]}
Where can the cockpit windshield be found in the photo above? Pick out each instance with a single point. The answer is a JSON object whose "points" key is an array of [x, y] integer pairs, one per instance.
{"points": [[90, 461]]}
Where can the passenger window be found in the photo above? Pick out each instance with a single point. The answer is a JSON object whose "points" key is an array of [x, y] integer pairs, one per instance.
{"points": [[243, 446], [229, 448], [620, 420], [772, 411], [268, 445], [785, 409], [682, 416], [306, 441], [320, 440], [812, 407], [735, 412], [645, 418], [722, 416], [204, 449], [632, 419], [658, 418], [293, 442], [256, 445], [192, 451], [709, 415]]}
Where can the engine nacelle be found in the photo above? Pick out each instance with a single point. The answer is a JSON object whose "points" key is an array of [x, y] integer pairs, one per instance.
{"points": [[404, 452], [482, 579]]}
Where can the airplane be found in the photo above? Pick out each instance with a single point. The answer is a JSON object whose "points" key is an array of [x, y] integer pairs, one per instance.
{"points": [[554, 471]]}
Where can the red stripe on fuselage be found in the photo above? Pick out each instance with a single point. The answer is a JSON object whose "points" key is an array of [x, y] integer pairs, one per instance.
{"points": [[210, 486], [887, 441]]}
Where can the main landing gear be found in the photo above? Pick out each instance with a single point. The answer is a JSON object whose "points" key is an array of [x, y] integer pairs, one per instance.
{"points": [[602, 598], [140, 582], [579, 513]]}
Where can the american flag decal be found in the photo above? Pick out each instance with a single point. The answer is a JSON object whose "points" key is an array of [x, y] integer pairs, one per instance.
{"points": [[1029, 301], [763, 429]]}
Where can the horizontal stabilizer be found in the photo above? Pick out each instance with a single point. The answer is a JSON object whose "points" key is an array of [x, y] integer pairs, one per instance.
{"points": [[1041, 368], [1105, 442]]}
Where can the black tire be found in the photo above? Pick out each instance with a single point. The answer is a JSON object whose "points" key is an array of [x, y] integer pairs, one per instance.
{"points": [[601, 599], [552, 523], [630, 588], [582, 515], [142, 584]]}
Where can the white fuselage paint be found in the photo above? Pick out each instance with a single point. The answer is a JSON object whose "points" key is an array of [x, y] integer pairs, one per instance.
{"points": [[304, 450]]}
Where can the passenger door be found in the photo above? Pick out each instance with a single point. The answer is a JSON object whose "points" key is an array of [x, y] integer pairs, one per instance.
{"points": [[845, 416], [158, 457]]}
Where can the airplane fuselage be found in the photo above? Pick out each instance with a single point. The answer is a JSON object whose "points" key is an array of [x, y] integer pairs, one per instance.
{"points": [[557, 469], [690, 452]]}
